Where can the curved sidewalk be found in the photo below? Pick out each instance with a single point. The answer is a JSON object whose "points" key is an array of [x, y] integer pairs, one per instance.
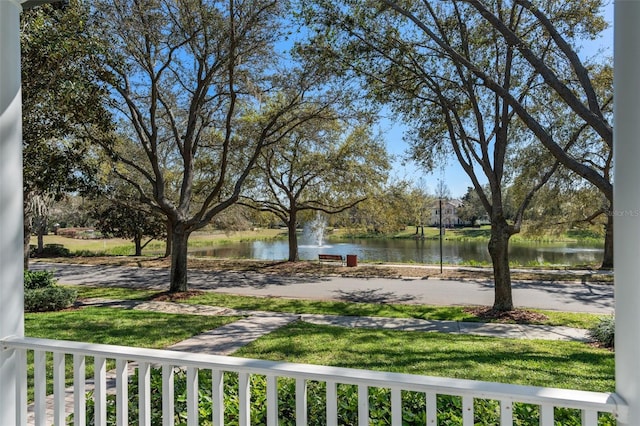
{"points": [[231, 337]]}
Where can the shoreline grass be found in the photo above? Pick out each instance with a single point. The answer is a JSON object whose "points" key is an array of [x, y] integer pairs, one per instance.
{"points": [[118, 246]]}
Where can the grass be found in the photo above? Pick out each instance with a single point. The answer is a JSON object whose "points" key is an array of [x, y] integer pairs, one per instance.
{"points": [[119, 293], [103, 245], [569, 365], [122, 247], [481, 233], [112, 326], [299, 306], [540, 363]]}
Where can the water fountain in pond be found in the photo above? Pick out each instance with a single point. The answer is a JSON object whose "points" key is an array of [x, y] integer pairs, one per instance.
{"points": [[313, 233]]}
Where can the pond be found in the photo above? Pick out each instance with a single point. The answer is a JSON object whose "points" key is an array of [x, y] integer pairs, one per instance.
{"points": [[411, 251]]}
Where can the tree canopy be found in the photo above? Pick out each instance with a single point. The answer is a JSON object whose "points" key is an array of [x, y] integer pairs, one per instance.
{"points": [[200, 92], [63, 106], [466, 86], [322, 166]]}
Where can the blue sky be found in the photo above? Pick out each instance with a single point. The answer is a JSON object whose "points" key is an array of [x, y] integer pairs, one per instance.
{"points": [[452, 174]]}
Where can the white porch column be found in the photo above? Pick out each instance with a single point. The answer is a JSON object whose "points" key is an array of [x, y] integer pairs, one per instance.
{"points": [[11, 280], [627, 202]]}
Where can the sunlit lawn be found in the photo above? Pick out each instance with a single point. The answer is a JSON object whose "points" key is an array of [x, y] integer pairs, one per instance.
{"points": [[300, 306], [570, 365], [115, 326], [544, 363], [121, 246]]}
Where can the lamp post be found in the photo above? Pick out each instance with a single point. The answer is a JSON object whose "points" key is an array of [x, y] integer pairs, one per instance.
{"points": [[440, 231]]}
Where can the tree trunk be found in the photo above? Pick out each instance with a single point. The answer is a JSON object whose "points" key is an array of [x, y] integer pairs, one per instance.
{"points": [[167, 248], [179, 240], [26, 239], [41, 229], [293, 238], [499, 251], [138, 242], [607, 257]]}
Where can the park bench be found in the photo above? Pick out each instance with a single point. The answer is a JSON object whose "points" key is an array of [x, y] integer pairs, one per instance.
{"points": [[331, 258]]}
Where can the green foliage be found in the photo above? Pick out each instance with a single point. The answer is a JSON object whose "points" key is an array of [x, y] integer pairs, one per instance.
{"points": [[129, 219], [323, 166], [61, 99], [604, 331], [49, 299], [472, 208], [38, 279], [449, 408], [386, 211], [51, 250], [41, 293]]}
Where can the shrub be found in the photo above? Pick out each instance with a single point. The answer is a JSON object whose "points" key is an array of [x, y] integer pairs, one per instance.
{"points": [[38, 279], [49, 299], [449, 408], [604, 331], [41, 293], [50, 250], [79, 233]]}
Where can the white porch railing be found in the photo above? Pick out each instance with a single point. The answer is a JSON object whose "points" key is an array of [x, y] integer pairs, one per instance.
{"points": [[588, 404]]}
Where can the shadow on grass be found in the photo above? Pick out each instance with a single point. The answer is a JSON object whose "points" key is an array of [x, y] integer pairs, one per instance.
{"points": [[373, 295], [538, 363]]}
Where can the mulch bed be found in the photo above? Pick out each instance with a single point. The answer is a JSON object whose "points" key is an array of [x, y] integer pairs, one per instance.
{"points": [[519, 316], [165, 296]]}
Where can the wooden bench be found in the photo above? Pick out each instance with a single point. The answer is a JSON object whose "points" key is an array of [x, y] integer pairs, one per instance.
{"points": [[331, 258]]}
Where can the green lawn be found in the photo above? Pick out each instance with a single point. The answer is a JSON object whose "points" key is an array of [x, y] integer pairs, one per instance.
{"points": [[272, 304], [570, 365], [482, 233], [544, 363], [556, 364], [112, 326], [119, 246], [115, 326]]}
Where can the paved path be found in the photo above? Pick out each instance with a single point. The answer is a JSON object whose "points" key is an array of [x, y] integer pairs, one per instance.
{"points": [[572, 297], [231, 337]]}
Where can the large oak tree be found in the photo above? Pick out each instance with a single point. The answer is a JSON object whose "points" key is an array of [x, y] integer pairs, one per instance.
{"points": [[451, 111], [550, 47], [200, 94], [450, 55], [324, 166]]}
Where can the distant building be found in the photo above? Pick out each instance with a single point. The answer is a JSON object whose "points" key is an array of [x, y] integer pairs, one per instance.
{"points": [[449, 214]]}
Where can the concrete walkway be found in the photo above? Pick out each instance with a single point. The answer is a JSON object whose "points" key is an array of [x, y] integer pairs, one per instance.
{"points": [[229, 338]]}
